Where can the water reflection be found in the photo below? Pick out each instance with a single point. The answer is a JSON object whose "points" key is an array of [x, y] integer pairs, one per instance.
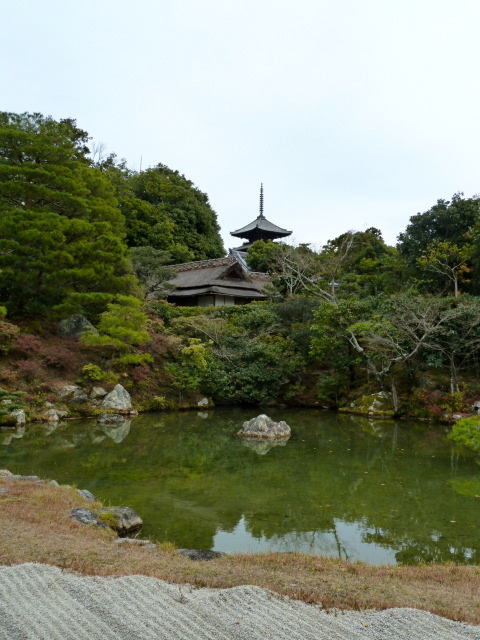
{"points": [[345, 541], [381, 492], [262, 447]]}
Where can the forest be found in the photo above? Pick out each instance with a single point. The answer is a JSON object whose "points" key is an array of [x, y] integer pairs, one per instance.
{"points": [[81, 233]]}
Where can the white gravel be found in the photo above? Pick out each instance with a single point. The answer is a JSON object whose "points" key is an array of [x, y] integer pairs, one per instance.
{"points": [[39, 602]]}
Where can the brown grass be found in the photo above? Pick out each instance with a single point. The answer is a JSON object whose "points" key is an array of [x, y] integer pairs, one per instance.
{"points": [[35, 527]]}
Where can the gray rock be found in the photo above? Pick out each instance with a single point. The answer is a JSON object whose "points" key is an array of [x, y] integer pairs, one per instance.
{"points": [[53, 483], [67, 391], [126, 519], [86, 495], [195, 554], [86, 516], [97, 392], [118, 399], [374, 405], [204, 402], [74, 326], [5, 472], [475, 408], [3, 492], [19, 415], [79, 396], [51, 416], [134, 541], [264, 428]]}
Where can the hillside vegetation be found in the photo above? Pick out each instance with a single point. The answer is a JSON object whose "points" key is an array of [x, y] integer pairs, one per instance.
{"points": [[81, 233]]}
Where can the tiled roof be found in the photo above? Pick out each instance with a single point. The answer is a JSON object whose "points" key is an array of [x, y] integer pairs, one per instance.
{"points": [[263, 224]]}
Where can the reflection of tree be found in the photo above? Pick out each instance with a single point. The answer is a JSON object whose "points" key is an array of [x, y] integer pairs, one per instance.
{"points": [[189, 477]]}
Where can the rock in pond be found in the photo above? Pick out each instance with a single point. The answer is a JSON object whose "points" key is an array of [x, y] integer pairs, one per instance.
{"points": [[264, 428], [118, 399], [375, 405]]}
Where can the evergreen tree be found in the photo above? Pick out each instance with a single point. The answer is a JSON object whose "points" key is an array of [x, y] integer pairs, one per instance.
{"points": [[61, 232], [166, 211]]}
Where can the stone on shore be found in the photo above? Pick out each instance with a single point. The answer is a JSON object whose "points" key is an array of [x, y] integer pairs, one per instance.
{"points": [[118, 399], [264, 428], [123, 520]]}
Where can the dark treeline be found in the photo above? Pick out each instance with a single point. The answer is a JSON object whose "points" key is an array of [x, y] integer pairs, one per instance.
{"points": [[82, 233]]}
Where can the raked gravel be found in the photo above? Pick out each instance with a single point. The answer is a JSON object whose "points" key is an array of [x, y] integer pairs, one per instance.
{"points": [[39, 602]]}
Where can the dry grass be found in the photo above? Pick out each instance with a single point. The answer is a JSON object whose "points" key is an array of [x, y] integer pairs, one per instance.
{"points": [[35, 527]]}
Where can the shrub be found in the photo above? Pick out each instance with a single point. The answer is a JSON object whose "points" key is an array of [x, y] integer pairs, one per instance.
{"points": [[8, 334], [138, 374], [133, 359], [467, 433], [30, 369], [93, 372], [27, 345], [60, 358]]}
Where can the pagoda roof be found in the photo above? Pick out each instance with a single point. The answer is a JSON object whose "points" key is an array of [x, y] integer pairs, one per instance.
{"points": [[262, 224]]}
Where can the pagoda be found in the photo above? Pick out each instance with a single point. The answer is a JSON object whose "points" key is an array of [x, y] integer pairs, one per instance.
{"points": [[259, 229]]}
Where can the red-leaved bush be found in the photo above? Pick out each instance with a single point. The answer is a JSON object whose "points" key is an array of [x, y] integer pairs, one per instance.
{"points": [[27, 345], [29, 369]]}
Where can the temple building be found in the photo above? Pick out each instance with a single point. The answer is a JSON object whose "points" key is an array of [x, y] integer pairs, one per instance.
{"points": [[226, 281], [259, 229]]}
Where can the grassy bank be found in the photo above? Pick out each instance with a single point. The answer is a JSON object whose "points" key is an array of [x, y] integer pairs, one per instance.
{"points": [[35, 527]]}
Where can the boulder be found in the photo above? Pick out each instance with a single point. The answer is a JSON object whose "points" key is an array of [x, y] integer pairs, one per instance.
{"points": [[19, 415], [123, 520], [5, 472], [79, 396], [118, 399], [374, 405], [74, 326], [97, 392], [54, 415], [67, 391], [86, 495], [264, 428], [87, 516]]}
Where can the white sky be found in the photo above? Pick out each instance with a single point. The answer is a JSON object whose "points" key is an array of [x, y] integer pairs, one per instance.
{"points": [[353, 113]]}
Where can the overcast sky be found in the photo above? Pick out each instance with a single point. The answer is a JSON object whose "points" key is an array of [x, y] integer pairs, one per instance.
{"points": [[353, 113]]}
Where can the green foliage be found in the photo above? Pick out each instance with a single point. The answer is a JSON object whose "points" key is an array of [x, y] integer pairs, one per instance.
{"points": [[61, 231], [448, 261], [165, 211], [189, 370], [10, 401], [121, 327], [467, 433], [93, 372], [455, 222], [133, 359], [150, 268]]}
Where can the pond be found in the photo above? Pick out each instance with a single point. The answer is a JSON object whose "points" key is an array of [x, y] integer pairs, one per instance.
{"points": [[382, 492]]}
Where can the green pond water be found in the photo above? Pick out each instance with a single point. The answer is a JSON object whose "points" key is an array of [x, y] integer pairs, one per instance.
{"points": [[382, 492]]}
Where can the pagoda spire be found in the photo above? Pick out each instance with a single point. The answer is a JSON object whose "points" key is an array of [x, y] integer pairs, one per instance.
{"points": [[261, 201]]}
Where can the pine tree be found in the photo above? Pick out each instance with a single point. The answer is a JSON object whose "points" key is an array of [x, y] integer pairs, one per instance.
{"points": [[61, 232]]}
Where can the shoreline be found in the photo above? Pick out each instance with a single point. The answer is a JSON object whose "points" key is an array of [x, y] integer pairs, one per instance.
{"points": [[35, 526]]}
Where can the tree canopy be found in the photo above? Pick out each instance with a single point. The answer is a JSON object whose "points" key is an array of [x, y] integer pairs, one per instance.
{"points": [[60, 228]]}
